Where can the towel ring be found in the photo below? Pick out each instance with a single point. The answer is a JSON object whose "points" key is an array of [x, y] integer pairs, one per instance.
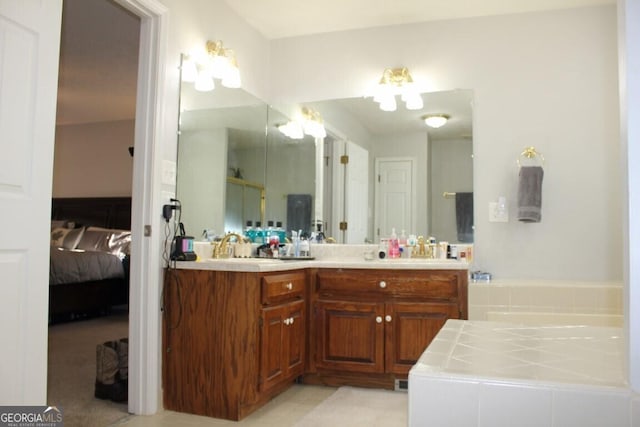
{"points": [[532, 155]]}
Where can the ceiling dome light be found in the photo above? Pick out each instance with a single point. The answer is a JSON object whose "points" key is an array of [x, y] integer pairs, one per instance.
{"points": [[435, 120]]}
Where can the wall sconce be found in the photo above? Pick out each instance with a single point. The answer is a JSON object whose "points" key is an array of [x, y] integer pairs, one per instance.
{"points": [[218, 62], [394, 82], [435, 120], [310, 123]]}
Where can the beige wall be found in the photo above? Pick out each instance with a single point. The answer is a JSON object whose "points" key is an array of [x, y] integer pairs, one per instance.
{"points": [[92, 160]]}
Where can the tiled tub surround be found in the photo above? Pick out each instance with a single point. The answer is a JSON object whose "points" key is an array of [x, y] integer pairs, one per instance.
{"points": [[547, 302], [481, 373]]}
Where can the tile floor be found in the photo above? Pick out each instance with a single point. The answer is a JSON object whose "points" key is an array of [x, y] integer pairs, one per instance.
{"points": [[283, 411]]}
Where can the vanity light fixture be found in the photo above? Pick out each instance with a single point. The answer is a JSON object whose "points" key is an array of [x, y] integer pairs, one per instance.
{"points": [[310, 123], [218, 62], [397, 81], [435, 120]]}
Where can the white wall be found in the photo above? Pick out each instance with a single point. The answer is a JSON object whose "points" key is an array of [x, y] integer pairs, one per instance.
{"points": [[202, 167], [543, 79], [92, 160]]}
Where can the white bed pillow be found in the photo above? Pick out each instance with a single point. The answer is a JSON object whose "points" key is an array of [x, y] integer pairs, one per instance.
{"points": [[67, 238]]}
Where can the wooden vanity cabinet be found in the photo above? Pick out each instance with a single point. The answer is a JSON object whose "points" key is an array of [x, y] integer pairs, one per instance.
{"points": [[231, 340], [371, 326], [282, 324]]}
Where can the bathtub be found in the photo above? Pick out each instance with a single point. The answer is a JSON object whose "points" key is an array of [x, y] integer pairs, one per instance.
{"points": [[533, 353], [482, 373]]}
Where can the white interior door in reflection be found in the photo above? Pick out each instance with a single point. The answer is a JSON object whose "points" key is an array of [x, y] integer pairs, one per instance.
{"points": [[357, 193], [395, 195], [350, 196]]}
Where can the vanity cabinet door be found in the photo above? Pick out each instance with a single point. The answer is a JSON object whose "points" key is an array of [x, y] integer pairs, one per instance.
{"points": [[350, 336], [282, 343], [410, 327]]}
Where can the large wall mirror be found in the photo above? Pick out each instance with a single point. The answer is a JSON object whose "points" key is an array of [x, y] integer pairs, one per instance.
{"points": [[235, 166], [434, 165]]}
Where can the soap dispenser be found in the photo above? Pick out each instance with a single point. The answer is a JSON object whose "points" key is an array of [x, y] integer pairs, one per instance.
{"points": [[394, 245]]}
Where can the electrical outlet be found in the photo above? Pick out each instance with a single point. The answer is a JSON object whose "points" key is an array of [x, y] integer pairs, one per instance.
{"points": [[496, 214]]}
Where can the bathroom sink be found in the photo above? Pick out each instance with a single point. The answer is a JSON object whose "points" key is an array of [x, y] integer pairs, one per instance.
{"points": [[241, 260]]}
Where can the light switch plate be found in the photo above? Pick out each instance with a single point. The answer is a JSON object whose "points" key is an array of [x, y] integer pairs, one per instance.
{"points": [[168, 172], [495, 215]]}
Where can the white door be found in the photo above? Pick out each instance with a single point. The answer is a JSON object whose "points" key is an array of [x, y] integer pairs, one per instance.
{"points": [[350, 195], [29, 50], [395, 196], [356, 207]]}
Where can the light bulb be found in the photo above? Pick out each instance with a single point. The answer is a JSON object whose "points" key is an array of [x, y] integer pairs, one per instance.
{"points": [[204, 81], [414, 102], [189, 71], [388, 104]]}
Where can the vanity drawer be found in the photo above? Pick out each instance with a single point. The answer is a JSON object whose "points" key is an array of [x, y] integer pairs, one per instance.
{"points": [[436, 284], [282, 287]]}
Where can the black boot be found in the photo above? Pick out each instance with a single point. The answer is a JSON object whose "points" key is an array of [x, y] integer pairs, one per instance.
{"points": [[123, 364], [107, 385]]}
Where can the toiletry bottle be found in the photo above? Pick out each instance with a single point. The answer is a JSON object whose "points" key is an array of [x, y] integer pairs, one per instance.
{"points": [[402, 240], [295, 241], [268, 232], [249, 232], [394, 246], [282, 235], [259, 239]]}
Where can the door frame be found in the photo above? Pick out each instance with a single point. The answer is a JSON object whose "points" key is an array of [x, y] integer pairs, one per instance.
{"points": [[145, 391]]}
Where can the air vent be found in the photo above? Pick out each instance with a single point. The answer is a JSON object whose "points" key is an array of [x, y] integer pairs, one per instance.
{"points": [[402, 385]]}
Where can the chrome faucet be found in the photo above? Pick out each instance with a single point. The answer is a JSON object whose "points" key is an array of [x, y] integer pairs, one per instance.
{"points": [[221, 249]]}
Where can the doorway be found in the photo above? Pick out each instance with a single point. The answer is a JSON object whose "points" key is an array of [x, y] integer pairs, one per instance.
{"points": [[95, 136], [146, 266], [395, 196]]}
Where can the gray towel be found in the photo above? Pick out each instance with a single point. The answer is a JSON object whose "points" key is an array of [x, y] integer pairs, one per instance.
{"points": [[464, 217], [530, 194]]}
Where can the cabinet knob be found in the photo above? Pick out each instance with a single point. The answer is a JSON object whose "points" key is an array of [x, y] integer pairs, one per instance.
{"points": [[378, 319], [383, 284], [291, 320], [387, 318], [287, 320], [289, 286]]}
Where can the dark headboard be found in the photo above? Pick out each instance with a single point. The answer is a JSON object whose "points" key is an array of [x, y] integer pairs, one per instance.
{"points": [[107, 212]]}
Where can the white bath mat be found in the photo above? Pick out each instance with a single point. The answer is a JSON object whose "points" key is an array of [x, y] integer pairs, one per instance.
{"points": [[359, 407]]}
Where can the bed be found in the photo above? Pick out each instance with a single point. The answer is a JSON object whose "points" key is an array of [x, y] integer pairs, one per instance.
{"points": [[89, 257]]}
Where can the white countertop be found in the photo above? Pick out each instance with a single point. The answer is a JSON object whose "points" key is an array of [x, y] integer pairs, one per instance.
{"points": [[266, 264], [324, 256]]}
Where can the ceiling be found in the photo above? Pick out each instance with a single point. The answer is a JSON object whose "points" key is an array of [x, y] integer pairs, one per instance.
{"points": [[99, 43]]}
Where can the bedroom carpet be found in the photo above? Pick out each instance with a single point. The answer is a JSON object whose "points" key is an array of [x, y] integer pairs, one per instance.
{"points": [[72, 370], [359, 407]]}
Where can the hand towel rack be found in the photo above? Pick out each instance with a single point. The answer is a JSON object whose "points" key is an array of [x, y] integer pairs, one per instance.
{"points": [[532, 156]]}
